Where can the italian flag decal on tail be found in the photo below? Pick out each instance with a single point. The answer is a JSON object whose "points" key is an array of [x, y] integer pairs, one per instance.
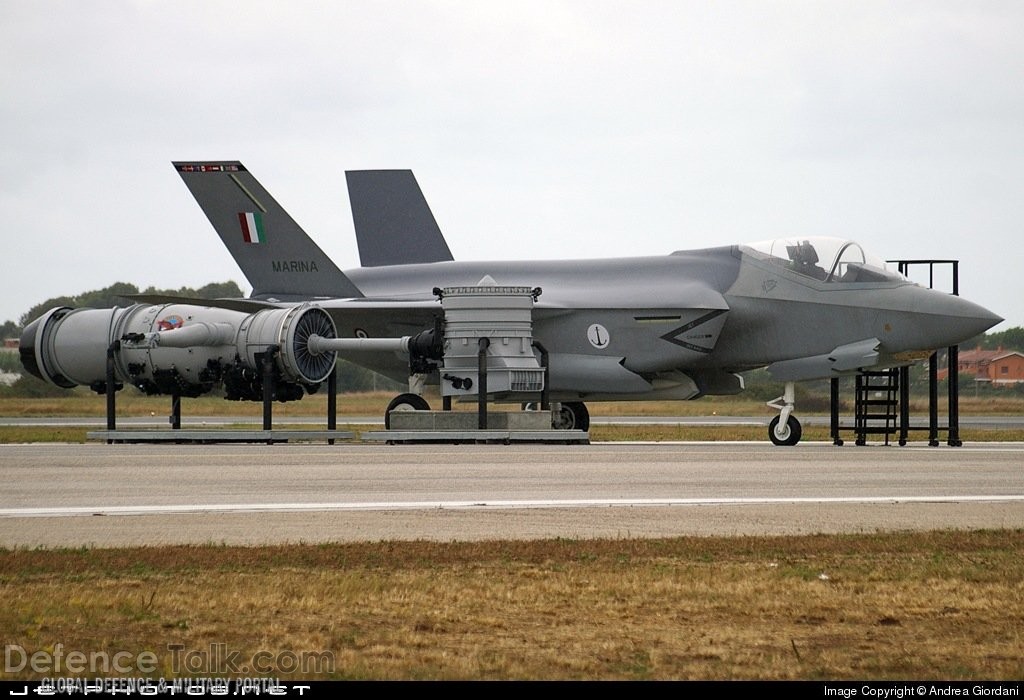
{"points": [[252, 227]]}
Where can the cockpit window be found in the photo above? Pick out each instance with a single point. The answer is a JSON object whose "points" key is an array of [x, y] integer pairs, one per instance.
{"points": [[826, 259]]}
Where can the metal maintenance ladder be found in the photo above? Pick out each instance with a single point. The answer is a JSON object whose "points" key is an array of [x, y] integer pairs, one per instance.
{"points": [[876, 403]]}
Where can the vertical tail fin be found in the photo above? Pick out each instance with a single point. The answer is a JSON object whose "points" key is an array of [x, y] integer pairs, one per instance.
{"points": [[276, 256], [394, 225]]}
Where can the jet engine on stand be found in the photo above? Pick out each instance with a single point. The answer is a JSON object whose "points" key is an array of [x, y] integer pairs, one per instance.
{"points": [[181, 349]]}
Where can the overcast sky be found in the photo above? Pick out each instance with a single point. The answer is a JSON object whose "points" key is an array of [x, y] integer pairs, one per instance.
{"points": [[535, 129]]}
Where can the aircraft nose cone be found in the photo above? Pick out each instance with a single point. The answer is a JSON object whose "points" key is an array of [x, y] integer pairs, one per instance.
{"points": [[974, 319], [951, 320]]}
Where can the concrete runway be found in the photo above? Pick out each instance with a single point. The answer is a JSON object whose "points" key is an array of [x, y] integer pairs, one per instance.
{"points": [[59, 495]]}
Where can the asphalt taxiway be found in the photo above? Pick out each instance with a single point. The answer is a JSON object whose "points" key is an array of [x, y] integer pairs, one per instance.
{"points": [[60, 495]]}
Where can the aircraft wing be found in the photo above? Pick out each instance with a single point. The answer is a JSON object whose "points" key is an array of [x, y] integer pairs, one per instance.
{"points": [[393, 317], [685, 321], [382, 318], [244, 305], [374, 317]]}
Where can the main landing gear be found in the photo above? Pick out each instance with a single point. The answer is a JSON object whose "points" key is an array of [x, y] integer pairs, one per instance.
{"points": [[570, 415], [405, 402], [785, 430]]}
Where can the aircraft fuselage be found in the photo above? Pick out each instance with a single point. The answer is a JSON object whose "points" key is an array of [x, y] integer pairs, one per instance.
{"points": [[627, 325]]}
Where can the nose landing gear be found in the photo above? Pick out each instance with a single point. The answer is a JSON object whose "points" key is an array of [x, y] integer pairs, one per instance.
{"points": [[784, 429]]}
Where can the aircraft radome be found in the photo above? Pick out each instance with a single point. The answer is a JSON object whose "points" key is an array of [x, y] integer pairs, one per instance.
{"points": [[677, 326]]}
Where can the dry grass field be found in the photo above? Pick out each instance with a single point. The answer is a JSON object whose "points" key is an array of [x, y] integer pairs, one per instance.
{"points": [[944, 605]]}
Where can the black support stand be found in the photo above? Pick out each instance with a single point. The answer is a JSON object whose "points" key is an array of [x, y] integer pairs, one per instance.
{"points": [[332, 401], [111, 388], [545, 394], [903, 403], [834, 412], [175, 411], [481, 401], [267, 365]]}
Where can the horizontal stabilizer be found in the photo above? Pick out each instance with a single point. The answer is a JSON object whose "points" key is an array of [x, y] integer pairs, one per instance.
{"points": [[276, 256], [393, 223], [845, 359]]}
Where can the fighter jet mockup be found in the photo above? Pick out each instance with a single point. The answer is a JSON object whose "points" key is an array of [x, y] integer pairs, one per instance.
{"points": [[677, 326]]}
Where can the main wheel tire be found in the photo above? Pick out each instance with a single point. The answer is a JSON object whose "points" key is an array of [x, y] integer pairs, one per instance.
{"points": [[792, 434], [572, 415], [405, 402]]}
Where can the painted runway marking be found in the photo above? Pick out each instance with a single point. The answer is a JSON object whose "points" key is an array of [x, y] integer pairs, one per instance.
{"points": [[80, 511]]}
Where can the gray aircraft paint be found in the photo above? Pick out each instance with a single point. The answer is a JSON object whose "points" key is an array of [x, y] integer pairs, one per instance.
{"points": [[393, 222]]}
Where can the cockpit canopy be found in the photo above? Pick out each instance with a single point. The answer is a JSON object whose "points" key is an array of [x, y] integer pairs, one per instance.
{"points": [[826, 259]]}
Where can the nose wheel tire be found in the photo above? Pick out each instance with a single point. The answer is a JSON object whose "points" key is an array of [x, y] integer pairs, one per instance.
{"points": [[785, 436]]}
